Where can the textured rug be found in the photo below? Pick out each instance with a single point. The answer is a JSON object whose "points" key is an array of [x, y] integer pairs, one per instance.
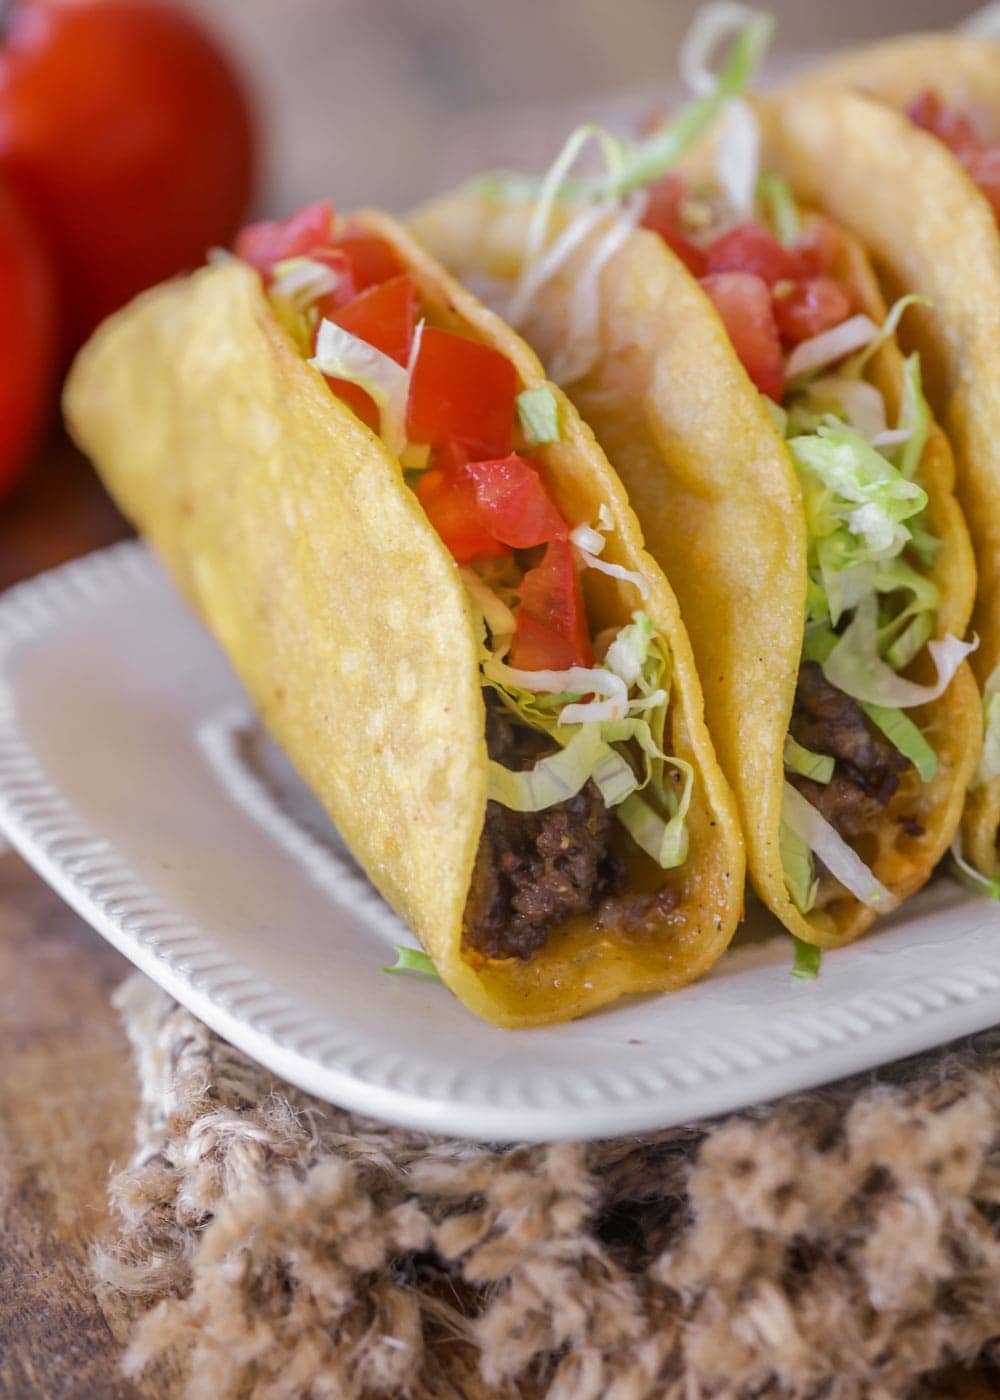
{"points": [[837, 1244]]}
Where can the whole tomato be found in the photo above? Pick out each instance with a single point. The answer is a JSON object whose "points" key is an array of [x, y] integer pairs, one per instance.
{"points": [[128, 135], [28, 338]]}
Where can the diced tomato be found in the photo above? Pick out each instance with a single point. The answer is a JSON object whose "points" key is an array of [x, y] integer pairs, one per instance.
{"points": [[513, 504], [744, 303], [340, 265], [357, 399], [383, 316], [804, 309], [262, 245], [946, 123], [983, 165], [551, 629], [462, 392], [751, 248], [818, 249], [980, 158], [450, 455], [449, 498], [663, 214], [372, 259]]}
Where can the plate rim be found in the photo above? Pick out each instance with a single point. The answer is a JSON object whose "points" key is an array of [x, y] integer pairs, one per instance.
{"points": [[100, 885]]}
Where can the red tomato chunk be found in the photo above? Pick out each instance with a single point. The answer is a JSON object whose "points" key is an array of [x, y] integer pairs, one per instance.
{"points": [[384, 316], [448, 497], [750, 248], [372, 259], [744, 303], [664, 215], [807, 308], [981, 158], [462, 392], [263, 245], [513, 504], [551, 631]]}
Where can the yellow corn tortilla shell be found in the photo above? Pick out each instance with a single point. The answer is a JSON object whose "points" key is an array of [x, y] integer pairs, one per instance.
{"points": [[718, 501], [930, 231], [288, 526], [962, 69]]}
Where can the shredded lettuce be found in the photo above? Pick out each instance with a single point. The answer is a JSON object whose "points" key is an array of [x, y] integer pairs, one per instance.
{"points": [[780, 209], [807, 959], [495, 612], [829, 346], [817, 766], [889, 327], [346, 356], [412, 960], [661, 151], [900, 730], [825, 841], [855, 666], [798, 868], [628, 652], [562, 775], [630, 168], [737, 158], [539, 415], [967, 874], [914, 417], [989, 762], [624, 755], [862, 491]]}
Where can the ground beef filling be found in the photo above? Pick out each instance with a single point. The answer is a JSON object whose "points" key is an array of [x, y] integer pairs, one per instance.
{"points": [[868, 768], [535, 869]]}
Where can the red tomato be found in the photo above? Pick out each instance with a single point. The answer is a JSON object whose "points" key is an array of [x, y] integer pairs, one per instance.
{"points": [[664, 202], [980, 158], [513, 504], [462, 392], [383, 316], [744, 303], [129, 138], [805, 309], [262, 245], [372, 259], [357, 399], [449, 499], [450, 455], [946, 123], [750, 248], [340, 265], [551, 631], [818, 249], [30, 338]]}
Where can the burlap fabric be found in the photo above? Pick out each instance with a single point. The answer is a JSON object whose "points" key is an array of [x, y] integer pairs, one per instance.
{"points": [[836, 1244]]}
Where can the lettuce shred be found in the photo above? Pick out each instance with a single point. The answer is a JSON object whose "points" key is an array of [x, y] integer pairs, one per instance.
{"points": [[807, 959], [648, 789]]}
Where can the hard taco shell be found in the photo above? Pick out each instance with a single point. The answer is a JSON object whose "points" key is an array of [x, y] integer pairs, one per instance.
{"points": [[289, 528], [719, 504]]}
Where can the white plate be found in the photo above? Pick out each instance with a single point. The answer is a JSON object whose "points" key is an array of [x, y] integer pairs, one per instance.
{"points": [[135, 779]]}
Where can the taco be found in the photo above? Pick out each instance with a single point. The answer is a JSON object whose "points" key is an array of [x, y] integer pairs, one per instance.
{"points": [[931, 232], [734, 357], [434, 590], [948, 84]]}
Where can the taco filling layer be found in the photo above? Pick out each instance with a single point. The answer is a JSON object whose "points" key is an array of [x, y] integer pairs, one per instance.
{"points": [[866, 775], [575, 722], [852, 751]]}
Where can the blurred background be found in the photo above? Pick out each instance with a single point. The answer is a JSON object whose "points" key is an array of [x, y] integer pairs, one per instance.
{"points": [[262, 105], [386, 101]]}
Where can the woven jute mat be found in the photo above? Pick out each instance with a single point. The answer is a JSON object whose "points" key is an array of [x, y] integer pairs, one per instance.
{"points": [[836, 1244]]}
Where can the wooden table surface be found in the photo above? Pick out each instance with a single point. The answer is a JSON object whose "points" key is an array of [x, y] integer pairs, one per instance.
{"points": [[372, 102]]}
